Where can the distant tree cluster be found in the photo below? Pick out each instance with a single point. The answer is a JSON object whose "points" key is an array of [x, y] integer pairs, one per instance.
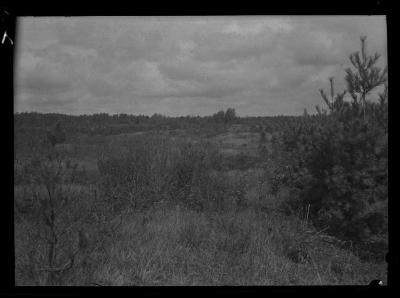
{"points": [[227, 116]]}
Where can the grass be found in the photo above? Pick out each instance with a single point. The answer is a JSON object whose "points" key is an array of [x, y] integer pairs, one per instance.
{"points": [[250, 244], [175, 246]]}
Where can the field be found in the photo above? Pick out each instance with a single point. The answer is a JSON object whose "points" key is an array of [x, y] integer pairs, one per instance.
{"points": [[200, 212]]}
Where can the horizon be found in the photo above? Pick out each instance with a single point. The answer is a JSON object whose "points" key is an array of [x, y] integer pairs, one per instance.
{"points": [[166, 116]]}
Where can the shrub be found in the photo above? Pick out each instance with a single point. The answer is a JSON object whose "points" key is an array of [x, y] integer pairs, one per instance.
{"points": [[56, 135], [336, 161], [50, 212], [192, 182], [136, 174], [148, 170]]}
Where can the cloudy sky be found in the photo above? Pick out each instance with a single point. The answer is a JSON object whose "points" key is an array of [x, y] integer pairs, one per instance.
{"points": [[259, 65]]}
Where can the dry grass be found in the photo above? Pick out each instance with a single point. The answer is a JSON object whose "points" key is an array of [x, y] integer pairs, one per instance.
{"points": [[171, 245], [182, 247]]}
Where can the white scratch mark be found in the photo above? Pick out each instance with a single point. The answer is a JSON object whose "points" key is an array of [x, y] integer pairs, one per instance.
{"points": [[4, 38]]}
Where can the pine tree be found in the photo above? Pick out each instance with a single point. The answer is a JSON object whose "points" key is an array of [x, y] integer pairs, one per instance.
{"points": [[366, 76]]}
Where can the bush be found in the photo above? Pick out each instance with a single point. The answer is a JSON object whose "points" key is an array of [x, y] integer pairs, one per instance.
{"points": [[49, 215], [336, 161], [56, 135], [192, 182], [135, 173], [147, 170]]}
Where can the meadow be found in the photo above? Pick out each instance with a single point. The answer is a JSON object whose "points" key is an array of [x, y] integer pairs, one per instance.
{"points": [[202, 214], [215, 200]]}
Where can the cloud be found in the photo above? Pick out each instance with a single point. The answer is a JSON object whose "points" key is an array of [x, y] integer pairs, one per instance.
{"points": [[185, 65], [229, 46], [318, 49], [66, 102], [45, 78]]}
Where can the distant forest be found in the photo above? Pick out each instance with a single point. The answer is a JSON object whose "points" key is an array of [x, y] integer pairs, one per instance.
{"points": [[106, 124]]}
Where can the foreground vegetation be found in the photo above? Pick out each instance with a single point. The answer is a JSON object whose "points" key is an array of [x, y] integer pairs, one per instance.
{"points": [[336, 162], [219, 200]]}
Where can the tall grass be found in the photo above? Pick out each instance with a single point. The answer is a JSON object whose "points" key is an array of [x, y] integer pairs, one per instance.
{"points": [[164, 213], [183, 247]]}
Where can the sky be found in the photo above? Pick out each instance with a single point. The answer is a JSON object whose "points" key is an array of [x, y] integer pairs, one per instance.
{"points": [[258, 65]]}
